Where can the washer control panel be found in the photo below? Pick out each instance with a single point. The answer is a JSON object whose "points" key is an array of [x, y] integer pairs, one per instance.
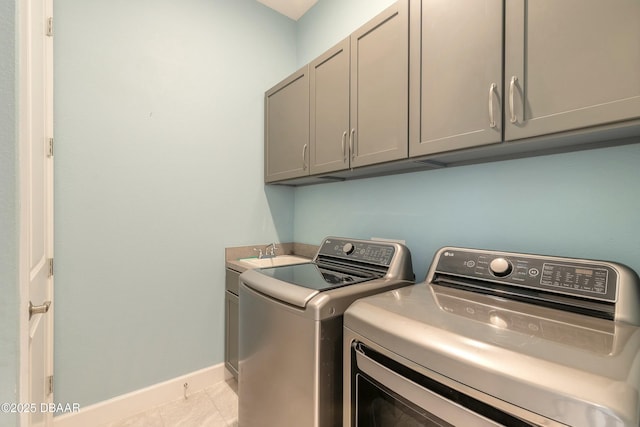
{"points": [[371, 252], [581, 278]]}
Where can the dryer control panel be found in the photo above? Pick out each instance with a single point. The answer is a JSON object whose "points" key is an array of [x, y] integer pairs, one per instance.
{"points": [[573, 277]]}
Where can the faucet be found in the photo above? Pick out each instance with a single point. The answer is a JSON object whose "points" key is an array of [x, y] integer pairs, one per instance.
{"points": [[268, 252]]}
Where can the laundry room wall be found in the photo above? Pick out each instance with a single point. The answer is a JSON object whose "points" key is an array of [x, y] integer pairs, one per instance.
{"points": [[9, 298], [158, 167], [582, 204]]}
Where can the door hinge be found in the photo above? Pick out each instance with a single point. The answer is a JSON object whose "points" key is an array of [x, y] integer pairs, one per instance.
{"points": [[50, 27], [50, 261], [49, 385], [50, 148]]}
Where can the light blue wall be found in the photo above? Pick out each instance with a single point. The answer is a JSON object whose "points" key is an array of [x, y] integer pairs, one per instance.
{"points": [[583, 204], [159, 167], [9, 300]]}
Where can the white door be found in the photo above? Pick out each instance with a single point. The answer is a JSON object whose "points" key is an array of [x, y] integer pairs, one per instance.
{"points": [[36, 209]]}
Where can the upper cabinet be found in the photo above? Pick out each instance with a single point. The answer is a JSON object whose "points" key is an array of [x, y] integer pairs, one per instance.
{"points": [[456, 74], [329, 110], [359, 92], [347, 108], [380, 88], [570, 64], [286, 132], [432, 83]]}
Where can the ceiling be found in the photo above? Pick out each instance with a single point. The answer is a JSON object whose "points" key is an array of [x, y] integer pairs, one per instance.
{"points": [[294, 9]]}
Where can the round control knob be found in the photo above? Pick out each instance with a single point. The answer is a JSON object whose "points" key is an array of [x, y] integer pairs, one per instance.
{"points": [[348, 248], [500, 267]]}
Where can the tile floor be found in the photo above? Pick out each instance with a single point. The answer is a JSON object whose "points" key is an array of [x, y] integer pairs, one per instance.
{"points": [[216, 406]]}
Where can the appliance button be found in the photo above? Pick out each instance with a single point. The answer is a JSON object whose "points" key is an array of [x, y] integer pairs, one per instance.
{"points": [[496, 320], [500, 267], [348, 248]]}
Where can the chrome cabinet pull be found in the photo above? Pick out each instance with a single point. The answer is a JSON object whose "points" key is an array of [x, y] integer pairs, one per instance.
{"points": [[492, 121], [512, 87], [344, 140], [352, 143], [304, 157], [38, 309]]}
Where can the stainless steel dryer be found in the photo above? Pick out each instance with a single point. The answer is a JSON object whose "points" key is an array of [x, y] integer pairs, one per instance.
{"points": [[497, 339], [290, 364]]}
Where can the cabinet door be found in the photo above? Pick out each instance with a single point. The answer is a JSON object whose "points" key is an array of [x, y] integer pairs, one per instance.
{"points": [[570, 64], [232, 332], [379, 88], [329, 110], [286, 150], [456, 74]]}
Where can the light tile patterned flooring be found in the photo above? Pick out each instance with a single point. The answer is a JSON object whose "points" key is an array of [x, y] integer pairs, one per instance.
{"points": [[216, 406]]}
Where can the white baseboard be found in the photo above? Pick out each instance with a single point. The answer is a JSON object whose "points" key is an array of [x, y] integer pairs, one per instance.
{"points": [[129, 404]]}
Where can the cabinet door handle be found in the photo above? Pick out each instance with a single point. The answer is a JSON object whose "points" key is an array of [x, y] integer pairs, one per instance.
{"points": [[512, 88], [492, 120], [304, 157], [352, 143], [344, 141]]}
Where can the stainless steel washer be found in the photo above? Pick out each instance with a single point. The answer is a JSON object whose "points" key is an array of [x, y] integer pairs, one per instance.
{"points": [[290, 367], [497, 339]]}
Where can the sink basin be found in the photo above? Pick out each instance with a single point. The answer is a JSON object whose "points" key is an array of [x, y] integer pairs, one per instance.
{"points": [[273, 262]]}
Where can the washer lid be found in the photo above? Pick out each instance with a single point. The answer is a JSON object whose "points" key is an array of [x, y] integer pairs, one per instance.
{"points": [[297, 284]]}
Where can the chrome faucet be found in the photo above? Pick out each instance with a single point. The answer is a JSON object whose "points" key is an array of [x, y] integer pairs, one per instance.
{"points": [[269, 251]]}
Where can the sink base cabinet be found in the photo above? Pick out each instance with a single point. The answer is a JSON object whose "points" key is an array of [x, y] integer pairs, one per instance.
{"points": [[232, 320]]}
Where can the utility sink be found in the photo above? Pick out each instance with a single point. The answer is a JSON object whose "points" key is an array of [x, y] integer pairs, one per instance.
{"points": [[273, 262]]}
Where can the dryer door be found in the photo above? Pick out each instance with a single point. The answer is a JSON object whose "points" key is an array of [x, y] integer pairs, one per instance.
{"points": [[387, 393]]}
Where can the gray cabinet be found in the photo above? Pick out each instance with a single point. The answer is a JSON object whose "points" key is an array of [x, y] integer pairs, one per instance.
{"points": [[380, 88], [456, 74], [357, 104], [570, 64], [329, 110], [287, 128], [433, 83], [232, 320]]}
